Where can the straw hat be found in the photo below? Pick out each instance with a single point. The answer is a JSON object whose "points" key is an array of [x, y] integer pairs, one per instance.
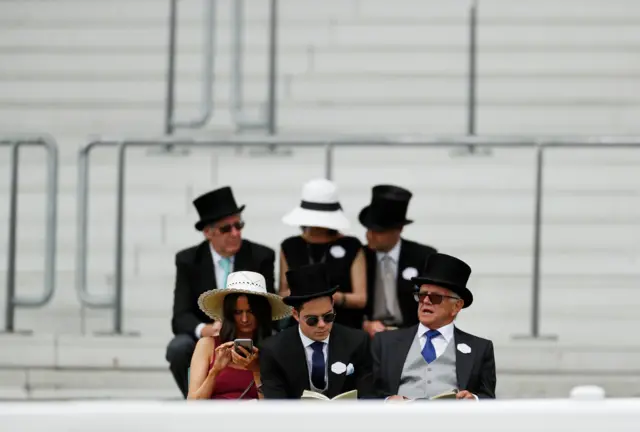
{"points": [[242, 282], [319, 207]]}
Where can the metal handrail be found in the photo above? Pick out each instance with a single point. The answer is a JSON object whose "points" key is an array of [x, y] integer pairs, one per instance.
{"points": [[329, 143], [241, 120], [115, 300], [473, 70], [208, 69], [13, 301]]}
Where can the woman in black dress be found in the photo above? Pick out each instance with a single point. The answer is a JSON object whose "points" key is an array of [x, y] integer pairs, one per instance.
{"points": [[321, 219]]}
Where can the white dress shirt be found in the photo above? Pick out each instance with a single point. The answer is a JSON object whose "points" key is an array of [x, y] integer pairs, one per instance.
{"points": [[439, 342], [220, 279], [306, 342]]}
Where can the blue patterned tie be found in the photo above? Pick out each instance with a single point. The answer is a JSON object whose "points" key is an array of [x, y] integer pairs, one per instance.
{"points": [[317, 365], [225, 265], [429, 351]]}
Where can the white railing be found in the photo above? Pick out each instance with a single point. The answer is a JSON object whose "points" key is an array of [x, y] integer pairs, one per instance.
{"points": [[621, 415]]}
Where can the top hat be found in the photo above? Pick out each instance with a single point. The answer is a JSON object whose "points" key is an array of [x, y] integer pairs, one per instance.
{"points": [[216, 205], [307, 283], [242, 282], [319, 207], [388, 208], [447, 272]]}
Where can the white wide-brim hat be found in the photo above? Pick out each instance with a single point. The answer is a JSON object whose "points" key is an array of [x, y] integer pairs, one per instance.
{"points": [[242, 282], [319, 207]]}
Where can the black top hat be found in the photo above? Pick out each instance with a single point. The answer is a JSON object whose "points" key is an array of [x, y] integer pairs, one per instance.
{"points": [[447, 272], [388, 208], [215, 205], [307, 283]]}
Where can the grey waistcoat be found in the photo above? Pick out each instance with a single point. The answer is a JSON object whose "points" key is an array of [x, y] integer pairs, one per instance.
{"points": [[422, 380]]}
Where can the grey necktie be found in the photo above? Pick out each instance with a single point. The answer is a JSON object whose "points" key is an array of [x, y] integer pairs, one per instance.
{"points": [[386, 301]]}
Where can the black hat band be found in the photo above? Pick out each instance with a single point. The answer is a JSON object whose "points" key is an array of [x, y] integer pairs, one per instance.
{"points": [[320, 206]]}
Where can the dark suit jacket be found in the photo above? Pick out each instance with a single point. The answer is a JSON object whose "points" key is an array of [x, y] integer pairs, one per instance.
{"points": [[412, 254], [284, 371], [476, 371], [195, 274]]}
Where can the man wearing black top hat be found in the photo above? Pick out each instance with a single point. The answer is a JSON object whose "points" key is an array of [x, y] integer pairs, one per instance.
{"points": [[392, 261], [435, 357], [317, 354], [206, 266]]}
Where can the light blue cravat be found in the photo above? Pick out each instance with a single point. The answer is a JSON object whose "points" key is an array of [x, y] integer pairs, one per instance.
{"points": [[225, 265], [429, 351]]}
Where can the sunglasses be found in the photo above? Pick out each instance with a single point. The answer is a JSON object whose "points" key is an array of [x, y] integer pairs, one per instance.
{"points": [[313, 320], [225, 229], [433, 297]]}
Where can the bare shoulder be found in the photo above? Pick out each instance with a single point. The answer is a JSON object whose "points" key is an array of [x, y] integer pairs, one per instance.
{"points": [[206, 344]]}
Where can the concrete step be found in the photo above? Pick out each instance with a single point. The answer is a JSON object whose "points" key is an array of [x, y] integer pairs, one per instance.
{"points": [[509, 387], [309, 11], [42, 379], [485, 260], [69, 351], [78, 384], [103, 160], [323, 31], [147, 353], [305, 91], [372, 118], [559, 386], [140, 10]]}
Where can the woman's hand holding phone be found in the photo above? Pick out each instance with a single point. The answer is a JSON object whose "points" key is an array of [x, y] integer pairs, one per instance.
{"points": [[248, 361]]}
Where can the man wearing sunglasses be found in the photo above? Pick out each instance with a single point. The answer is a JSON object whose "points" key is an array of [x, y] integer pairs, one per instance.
{"points": [[206, 266], [317, 354], [434, 356]]}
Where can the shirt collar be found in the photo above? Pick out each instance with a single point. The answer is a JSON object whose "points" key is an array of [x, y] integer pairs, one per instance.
{"points": [[445, 331], [306, 341], [217, 257], [394, 253]]}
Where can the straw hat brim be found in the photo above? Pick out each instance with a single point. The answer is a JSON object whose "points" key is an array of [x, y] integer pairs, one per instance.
{"points": [[211, 303], [315, 218]]}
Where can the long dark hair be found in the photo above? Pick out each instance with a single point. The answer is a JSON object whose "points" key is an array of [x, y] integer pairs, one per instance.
{"points": [[261, 310]]}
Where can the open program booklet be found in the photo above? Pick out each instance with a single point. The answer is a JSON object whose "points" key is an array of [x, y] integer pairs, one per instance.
{"points": [[451, 394], [308, 394]]}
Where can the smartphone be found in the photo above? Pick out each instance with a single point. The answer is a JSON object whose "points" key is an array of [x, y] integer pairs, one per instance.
{"points": [[244, 343]]}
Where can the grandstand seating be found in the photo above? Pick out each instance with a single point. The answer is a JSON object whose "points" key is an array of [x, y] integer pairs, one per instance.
{"points": [[78, 68]]}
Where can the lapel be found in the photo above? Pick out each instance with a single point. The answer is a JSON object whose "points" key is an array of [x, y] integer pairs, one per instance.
{"points": [[464, 362], [296, 363], [242, 260], [339, 350], [370, 254], [207, 272], [403, 262], [397, 357]]}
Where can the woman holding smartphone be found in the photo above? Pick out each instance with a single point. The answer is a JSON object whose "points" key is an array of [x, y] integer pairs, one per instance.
{"points": [[228, 366]]}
